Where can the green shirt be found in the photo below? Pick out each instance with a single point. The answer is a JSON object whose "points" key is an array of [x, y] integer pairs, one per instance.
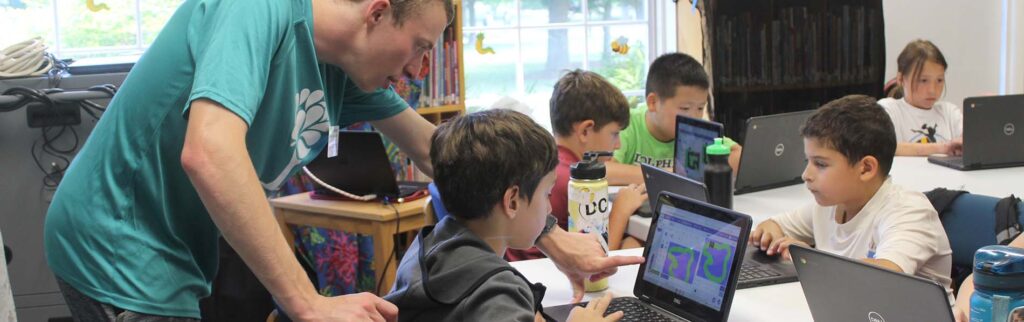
{"points": [[639, 146], [126, 226]]}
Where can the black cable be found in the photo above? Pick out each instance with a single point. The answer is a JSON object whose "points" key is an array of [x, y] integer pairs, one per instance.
{"points": [[394, 248], [28, 95]]}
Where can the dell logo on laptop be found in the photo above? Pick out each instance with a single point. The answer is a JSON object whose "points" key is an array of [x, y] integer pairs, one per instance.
{"points": [[1008, 129], [875, 317], [779, 149]]}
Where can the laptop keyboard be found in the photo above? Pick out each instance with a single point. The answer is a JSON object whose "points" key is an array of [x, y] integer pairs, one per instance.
{"points": [[635, 310], [951, 161], [755, 272]]}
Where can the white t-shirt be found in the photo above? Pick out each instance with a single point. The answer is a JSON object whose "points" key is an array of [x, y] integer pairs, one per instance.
{"points": [[896, 224], [943, 122], [6, 300]]}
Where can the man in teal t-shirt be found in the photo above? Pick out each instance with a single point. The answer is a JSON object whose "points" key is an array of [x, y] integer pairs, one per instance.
{"points": [[232, 98]]}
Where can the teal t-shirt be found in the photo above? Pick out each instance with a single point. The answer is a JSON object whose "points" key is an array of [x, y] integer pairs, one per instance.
{"points": [[126, 226], [639, 146]]}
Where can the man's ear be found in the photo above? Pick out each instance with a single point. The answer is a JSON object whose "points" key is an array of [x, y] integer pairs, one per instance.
{"points": [[510, 202], [652, 101], [376, 11], [869, 168]]}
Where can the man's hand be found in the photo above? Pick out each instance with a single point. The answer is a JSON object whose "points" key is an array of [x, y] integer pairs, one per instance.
{"points": [[595, 311], [354, 307], [766, 232], [580, 256]]}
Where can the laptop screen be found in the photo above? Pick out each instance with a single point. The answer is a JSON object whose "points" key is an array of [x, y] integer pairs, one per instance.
{"points": [[692, 136], [692, 255]]}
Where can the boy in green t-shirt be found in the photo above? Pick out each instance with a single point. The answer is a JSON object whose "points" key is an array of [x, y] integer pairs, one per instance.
{"points": [[676, 85]]}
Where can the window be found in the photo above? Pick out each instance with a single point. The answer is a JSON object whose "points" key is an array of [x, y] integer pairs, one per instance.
{"points": [[519, 48], [86, 28]]}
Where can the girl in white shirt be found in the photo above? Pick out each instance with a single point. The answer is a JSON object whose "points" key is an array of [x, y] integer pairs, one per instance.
{"points": [[924, 125]]}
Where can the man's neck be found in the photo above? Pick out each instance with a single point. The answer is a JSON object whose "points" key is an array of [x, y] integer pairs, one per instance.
{"points": [[853, 207]]}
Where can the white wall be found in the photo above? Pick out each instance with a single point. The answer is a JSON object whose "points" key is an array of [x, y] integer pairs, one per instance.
{"points": [[970, 35]]}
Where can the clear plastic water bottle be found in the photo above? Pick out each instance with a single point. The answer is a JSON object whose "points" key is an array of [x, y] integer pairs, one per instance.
{"points": [[718, 174], [998, 284], [589, 205]]}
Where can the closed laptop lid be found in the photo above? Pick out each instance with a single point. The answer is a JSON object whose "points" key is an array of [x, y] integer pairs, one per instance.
{"points": [[657, 180], [841, 289], [360, 166], [693, 257], [773, 152], [993, 130], [692, 136]]}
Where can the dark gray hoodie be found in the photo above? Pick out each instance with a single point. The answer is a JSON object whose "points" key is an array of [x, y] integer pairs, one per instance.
{"points": [[466, 280]]}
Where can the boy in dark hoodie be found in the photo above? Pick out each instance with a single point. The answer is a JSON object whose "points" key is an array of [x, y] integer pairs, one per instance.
{"points": [[495, 169]]}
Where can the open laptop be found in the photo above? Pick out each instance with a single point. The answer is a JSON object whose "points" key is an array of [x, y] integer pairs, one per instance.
{"points": [[360, 166], [758, 269], [773, 152], [991, 139], [692, 136], [841, 289], [691, 270]]}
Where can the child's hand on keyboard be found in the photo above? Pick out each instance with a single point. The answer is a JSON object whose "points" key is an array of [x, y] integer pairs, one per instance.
{"points": [[765, 233], [595, 311], [781, 246]]}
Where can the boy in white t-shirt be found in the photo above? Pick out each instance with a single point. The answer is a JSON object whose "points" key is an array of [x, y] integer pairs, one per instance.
{"points": [[924, 125], [860, 213]]}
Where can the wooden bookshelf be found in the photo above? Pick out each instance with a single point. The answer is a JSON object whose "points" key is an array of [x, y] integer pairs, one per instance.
{"points": [[776, 56]]}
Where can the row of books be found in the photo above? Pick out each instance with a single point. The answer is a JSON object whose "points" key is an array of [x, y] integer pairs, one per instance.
{"points": [[799, 46], [441, 86]]}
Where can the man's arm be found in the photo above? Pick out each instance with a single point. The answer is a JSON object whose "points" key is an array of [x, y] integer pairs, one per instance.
{"points": [[412, 135], [216, 160], [580, 256]]}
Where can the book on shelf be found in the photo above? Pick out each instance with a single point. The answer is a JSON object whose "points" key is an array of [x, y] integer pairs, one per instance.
{"points": [[796, 45]]}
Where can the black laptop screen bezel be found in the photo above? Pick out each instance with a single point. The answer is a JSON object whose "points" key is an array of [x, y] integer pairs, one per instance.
{"points": [[682, 306]]}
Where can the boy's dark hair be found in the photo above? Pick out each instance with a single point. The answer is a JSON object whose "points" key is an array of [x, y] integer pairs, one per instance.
{"points": [[476, 157], [911, 60], [582, 95], [856, 126], [673, 70]]}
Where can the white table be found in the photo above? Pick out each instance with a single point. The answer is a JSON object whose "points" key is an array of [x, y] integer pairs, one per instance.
{"points": [[914, 173], [782, 302]]}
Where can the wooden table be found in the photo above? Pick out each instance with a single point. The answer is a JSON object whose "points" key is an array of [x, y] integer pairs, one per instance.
{"points": [[367, 218]]}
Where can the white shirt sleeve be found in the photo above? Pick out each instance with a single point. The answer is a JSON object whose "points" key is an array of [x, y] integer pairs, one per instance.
{"points": [[956, 117], [909, 236], [6, 299], [799, 223]]}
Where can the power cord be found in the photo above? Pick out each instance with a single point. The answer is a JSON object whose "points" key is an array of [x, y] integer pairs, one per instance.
{"points": [[336, 190], [26, 58], [394, 248]]}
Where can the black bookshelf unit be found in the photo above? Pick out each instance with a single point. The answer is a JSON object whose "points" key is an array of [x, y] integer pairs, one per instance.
{"points": [[776, 56]]}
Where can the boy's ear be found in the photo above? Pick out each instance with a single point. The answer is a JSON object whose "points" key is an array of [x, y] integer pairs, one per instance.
{"points": [[652, 101], [899, 79], [375, 11], [510, 202], [869, 168], [583, 128]]}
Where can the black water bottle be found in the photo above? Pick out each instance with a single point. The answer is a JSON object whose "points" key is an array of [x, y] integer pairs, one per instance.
{"points": [[718, 174]]}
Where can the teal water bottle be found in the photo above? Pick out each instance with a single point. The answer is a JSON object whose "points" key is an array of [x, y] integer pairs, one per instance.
{"points": [[998, 285], [718, 174]]}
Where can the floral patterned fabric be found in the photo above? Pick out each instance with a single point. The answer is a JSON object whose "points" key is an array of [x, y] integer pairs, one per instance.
{"points": [[343, 261]]}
